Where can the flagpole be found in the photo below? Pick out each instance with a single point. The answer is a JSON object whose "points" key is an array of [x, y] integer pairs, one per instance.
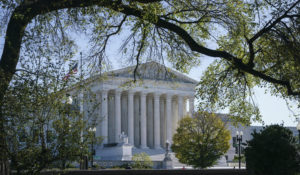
{"points": [[82, 161], [80, 85], [80, 67], [81, 93]]}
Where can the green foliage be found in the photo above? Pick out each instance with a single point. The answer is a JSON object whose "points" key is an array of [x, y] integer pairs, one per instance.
{"points": [[257, 43], [272, 151], [123, 166], [142, 161], [42, 129], [236, 159], [231, 24], [201, 141], [223, 87]]}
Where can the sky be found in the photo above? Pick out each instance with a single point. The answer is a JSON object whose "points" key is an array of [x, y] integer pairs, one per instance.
{"points": [[273, 109]]}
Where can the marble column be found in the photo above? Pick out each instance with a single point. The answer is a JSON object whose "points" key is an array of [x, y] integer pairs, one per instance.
{"points": [[117, 115], [137, 130], [169, 122], [180, 107], [111, 118], [156, 121], [162, 122], [104, 114], [191, 106], [99, 118], [150, 121], [130, 118], [174, 115], [124, 113], [143, 121]]}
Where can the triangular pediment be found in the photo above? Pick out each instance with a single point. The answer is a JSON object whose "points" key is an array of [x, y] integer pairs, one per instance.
{"points": [[152, 71]]}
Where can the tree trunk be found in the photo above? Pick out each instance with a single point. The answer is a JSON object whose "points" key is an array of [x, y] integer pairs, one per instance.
{"points": [[18, 21], [4, 163], [4, 167]]}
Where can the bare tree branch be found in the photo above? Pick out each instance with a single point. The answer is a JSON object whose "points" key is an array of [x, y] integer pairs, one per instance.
{"points": [[139, 53]]}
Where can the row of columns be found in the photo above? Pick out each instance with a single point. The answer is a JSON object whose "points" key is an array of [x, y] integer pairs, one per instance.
{"points": [[143, 116]]}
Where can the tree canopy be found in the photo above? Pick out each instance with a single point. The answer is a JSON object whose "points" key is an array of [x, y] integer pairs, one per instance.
{"points": [[43, 129], [257, 41], [272, 151], [201, 141]]}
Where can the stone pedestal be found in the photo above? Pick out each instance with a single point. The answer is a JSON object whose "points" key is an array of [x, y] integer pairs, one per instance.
{"points": [[119, 152], [167, 163]]}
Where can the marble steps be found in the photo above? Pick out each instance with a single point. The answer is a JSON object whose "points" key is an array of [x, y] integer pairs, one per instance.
{"points": [[158, 155], [155, 154]]}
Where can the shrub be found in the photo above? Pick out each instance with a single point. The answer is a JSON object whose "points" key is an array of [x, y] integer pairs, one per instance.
{"points": [[142, 161], [272, 152]]}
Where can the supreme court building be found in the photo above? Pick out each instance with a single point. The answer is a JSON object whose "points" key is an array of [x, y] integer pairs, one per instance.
{"points": [[146, 111], [142, 115]]}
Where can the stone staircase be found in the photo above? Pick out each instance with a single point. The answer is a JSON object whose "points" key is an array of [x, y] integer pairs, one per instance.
{"points": [[121, 154], [159, 155], [155, 154]]}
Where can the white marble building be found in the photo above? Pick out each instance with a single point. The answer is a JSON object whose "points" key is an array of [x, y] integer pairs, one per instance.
{"points": [[147, 110]]}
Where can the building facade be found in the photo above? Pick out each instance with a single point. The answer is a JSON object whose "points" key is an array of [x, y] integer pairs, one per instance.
{"points": [[145, 106], [146, 109]]}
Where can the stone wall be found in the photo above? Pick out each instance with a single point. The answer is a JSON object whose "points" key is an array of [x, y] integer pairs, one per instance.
{"points": [[151, 172], [114, 163]]}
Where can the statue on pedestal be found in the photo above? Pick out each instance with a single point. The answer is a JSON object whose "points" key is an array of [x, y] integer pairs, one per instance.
{"points": [[167, 163], [123, 138]]}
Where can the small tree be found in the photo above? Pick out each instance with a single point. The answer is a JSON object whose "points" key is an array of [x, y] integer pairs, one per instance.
{"points": [[272, 151], [142, 161], [201, 141], [42, 129]]}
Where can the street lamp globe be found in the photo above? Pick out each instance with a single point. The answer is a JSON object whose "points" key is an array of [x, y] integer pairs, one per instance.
{"points": [[69, 100], [92, 129], [239, 133]]}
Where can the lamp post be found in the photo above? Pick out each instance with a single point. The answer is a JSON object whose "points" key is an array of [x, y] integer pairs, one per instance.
{"points": [[93, 130], [298, 128], [239, 138], [167, 163], [167, 149]]}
